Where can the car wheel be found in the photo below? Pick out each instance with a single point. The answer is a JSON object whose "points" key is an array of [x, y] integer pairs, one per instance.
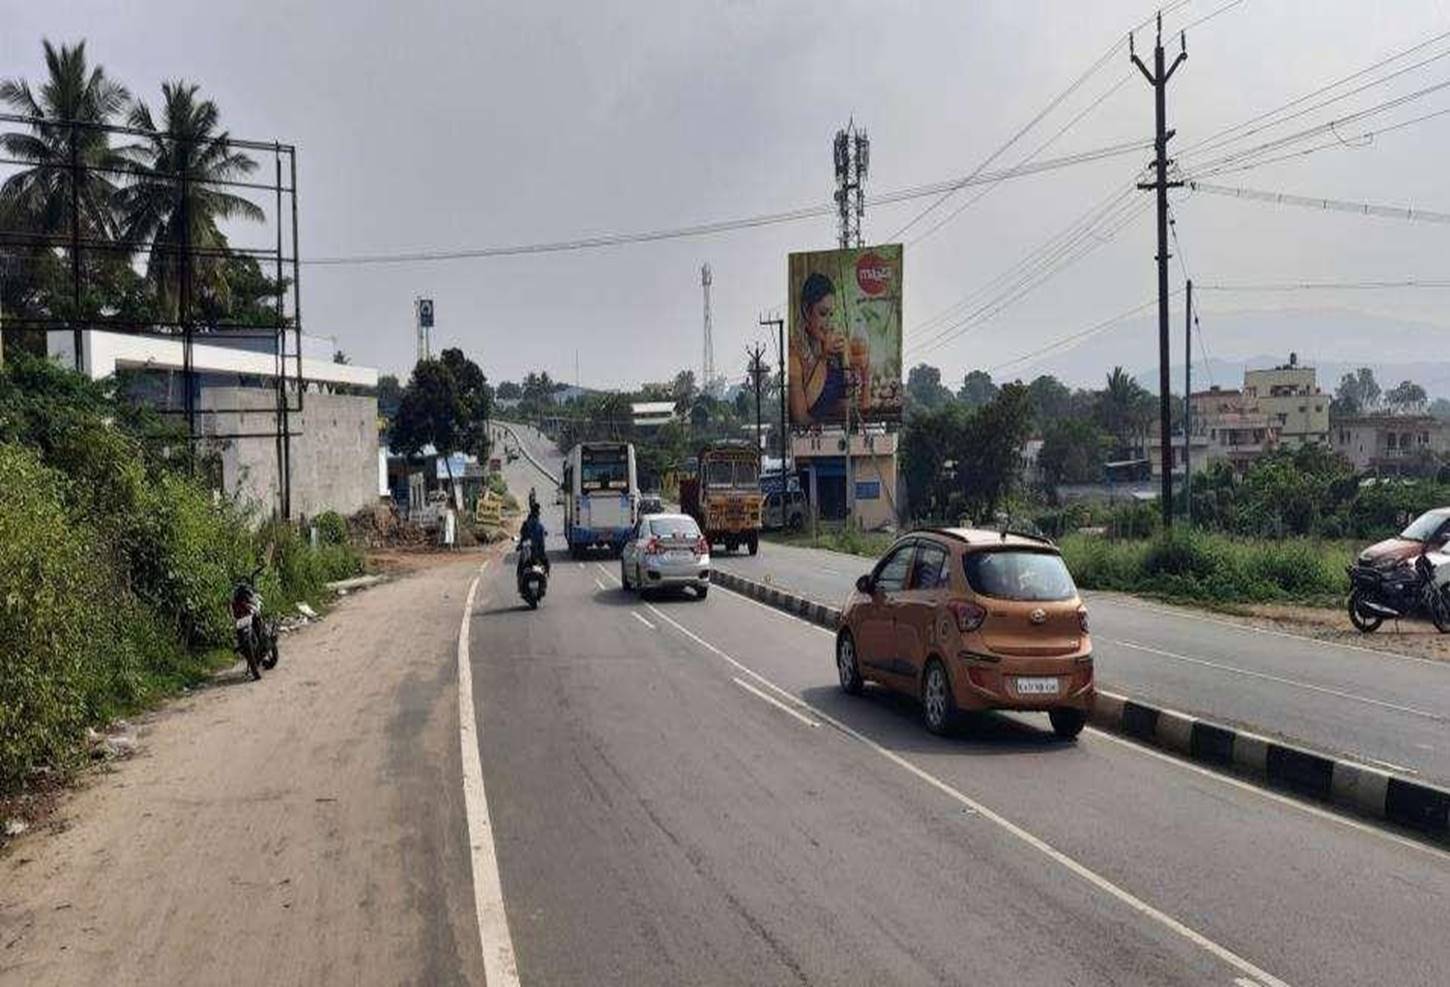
{"points": [[1067, 723], [1363, 622], [701, 592], [846, 667], [623, 577], [754, 544], [936, 697]]}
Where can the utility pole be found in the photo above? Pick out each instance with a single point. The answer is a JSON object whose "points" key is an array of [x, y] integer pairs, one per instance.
{"points": [[1158, 79], [707, 353], [779, 325], [758, 372], [1187, 400]]}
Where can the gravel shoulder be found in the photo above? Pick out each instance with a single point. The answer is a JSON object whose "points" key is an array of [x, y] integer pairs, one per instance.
{"points": [[308, 828]]}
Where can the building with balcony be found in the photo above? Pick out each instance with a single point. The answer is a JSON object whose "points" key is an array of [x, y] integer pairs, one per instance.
{"points": [[1290, 398], [1391, 444]]}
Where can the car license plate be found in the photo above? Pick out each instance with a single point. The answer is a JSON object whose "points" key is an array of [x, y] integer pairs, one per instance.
{"points": [[679, 555], [1037, 686]]}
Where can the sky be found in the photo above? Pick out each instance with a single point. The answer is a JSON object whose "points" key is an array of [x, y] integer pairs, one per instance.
{"points": [[433, 126]]}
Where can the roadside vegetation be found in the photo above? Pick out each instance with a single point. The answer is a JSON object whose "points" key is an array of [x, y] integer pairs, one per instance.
{"points": [[852, 541], [117, 562]]}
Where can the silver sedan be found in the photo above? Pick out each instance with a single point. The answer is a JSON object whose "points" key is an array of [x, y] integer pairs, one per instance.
{"points": [[666, 551]]}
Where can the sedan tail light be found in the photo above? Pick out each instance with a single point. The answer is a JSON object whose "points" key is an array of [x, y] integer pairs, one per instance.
{"points": [[652, 547], [969, 616], [702, 546]]}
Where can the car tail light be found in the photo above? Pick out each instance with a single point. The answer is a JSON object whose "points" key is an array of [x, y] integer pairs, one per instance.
{"points": [[969, 616], [702, 546], [1082, 619], [652, 547]]}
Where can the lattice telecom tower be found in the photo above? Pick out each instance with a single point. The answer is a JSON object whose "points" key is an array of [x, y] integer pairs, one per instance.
{"points": [[853, 158]]}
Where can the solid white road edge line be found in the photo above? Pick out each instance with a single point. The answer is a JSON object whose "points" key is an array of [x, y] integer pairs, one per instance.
{"points": [[640, 619], [499, 967], [1042, 846], [1426, 714], [1185, 765], [773, 701]]}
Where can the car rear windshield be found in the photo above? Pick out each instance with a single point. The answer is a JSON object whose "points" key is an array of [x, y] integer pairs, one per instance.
{"points": [[674, 527], [1019, 575], [1424, 527]]}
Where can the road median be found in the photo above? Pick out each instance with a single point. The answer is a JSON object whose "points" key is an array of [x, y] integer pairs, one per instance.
{"points": [[1346, 785]]}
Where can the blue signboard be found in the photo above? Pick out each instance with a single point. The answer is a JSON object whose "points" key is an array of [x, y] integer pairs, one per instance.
{"points": [[868, 489]]}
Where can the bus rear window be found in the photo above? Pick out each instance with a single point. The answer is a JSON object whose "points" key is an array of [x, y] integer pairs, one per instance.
{"points": [[1019, 575], [602, 469]]}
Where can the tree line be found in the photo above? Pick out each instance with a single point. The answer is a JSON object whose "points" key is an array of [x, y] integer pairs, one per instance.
{"points": [[132, 199]]}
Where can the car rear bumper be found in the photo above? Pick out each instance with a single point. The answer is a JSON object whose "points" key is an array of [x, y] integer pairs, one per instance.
{"points": [[986, 684], [675, 573]]}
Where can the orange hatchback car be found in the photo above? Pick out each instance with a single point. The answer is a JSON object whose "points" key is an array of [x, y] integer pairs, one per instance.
{"points": [[971, 620]]}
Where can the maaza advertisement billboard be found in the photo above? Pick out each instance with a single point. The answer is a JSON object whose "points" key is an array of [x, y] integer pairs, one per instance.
{"points": [[845, 336]]}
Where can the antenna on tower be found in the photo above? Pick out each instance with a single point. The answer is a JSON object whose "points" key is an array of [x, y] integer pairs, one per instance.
{"points": [[707, 360], [852, 153]]}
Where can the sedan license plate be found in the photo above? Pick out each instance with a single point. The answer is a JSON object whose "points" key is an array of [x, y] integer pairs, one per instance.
{"points": [[679, 555], [1037, 686]]}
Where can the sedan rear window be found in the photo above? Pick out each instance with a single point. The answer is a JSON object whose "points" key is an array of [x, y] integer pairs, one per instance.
{"points": [[1019, 575], [673, 527]]}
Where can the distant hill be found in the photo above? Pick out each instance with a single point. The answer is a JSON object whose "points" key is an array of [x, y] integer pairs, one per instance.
{"points": [[1332, 341]]}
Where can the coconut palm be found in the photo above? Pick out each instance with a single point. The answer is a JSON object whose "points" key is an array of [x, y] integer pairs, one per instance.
{"points": [[176, 200], [1125, 407], [63, 133]]}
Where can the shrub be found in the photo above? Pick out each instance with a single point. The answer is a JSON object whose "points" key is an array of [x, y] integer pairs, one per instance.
{"points": [[331, 528]]}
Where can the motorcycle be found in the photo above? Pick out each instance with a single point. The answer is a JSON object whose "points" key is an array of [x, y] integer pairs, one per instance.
{"points": [[1409, 589], [533, 578], [256, 635]]}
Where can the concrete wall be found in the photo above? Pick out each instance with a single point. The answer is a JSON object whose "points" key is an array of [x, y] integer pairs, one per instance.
{"points": [[334, 449]]}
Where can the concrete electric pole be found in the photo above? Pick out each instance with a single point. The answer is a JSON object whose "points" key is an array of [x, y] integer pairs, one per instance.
{"points": [[1158, 79]]}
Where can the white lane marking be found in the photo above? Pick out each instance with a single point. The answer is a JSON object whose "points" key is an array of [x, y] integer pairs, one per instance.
{"points": [[1246, 982], [1042, 846], [773, 701], [1273, 796], [599, 584], [1206, 619], [1281, 680], [641, 620], [499, 966], [1190, 766]]}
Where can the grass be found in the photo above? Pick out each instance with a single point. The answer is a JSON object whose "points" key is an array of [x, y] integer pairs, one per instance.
{"points": [[869, 544], [1213, 569]]}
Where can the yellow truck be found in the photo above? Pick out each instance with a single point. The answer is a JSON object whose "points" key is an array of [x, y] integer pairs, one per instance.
{"points": [[724, 495]]}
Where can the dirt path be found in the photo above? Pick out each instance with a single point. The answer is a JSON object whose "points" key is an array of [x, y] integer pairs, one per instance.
{"points": [[307, 829]]}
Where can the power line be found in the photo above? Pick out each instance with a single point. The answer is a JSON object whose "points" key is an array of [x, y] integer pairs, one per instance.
{"points": [[1081, 334], [1188, 277], [1285, 286], [720, 226], [1333, 205]]}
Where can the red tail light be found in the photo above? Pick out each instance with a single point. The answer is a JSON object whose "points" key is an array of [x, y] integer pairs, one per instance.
{"points": [[702, 546], [969, 616], [652, 547], [1082, 619]]}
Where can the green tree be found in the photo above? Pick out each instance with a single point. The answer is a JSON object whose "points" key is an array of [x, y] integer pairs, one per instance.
{"points": [[1406, 397], [41, 193], [446, 405], [990, 454], [176, 200], [1124, 409], [508, 391], [390, 395], [1356, 394], [1073, 451], [928, 443], [1050, 398], [475, 398], [977, 389], [683, 391], [924, 387]]}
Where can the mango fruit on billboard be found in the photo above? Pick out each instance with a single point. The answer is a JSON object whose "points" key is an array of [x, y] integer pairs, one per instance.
{"points": [[845, 335]]}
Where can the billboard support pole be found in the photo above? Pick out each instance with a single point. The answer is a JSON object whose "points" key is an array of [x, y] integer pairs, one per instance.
{"points": [[780, 360]]}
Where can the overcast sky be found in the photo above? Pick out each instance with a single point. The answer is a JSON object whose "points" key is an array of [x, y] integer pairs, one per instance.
{"points": [[432, 125]]}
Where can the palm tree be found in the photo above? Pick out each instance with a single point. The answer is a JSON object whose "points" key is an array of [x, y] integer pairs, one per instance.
{"points": [[176, 200], [71, 167], [1123, 404]]}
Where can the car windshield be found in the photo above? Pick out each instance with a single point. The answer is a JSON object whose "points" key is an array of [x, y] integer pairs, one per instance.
{"points": [[674, 527], [1019, 575], [1424, 527]]}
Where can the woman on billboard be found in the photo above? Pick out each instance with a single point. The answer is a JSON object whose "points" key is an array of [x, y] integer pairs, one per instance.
{"points": [[824, 361]]}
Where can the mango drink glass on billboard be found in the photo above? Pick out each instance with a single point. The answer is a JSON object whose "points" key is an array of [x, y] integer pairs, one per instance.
{"points": [[845, 335]]}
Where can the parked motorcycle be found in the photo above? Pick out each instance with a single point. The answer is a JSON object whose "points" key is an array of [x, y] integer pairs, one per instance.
{"points": [[1404, 589], [256, 635], [533, 578]]}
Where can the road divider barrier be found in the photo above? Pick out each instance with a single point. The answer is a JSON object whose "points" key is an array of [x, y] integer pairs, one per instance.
{"points": [[1345, 784]]}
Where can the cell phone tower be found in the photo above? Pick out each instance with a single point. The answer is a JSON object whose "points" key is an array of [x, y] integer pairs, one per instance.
{"points": [[853, 159], [707, 359]]}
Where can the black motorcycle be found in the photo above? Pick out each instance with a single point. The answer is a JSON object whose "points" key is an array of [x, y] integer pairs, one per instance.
{"points": [[256, 635], [533, 577], [1393, 592]]}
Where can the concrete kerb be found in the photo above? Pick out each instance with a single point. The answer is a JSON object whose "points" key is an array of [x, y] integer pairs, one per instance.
{"points": [[1343, 784]]}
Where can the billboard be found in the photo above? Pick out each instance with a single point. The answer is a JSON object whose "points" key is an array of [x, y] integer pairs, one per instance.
{"points": [[845, 336]]}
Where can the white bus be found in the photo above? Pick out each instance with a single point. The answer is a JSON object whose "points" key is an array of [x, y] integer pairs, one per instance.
{"points": [[600, 494]]}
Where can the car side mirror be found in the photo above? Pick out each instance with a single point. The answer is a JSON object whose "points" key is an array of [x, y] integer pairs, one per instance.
{"points": [[863, 584]]}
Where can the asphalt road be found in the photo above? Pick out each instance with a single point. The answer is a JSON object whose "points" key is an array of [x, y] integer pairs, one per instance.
{"points": [[1386, 710], [680, 793]]}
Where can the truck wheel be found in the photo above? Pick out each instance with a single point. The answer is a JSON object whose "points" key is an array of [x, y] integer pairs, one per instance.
{"points": [[731, 545], [796, 521], [754, 543]]}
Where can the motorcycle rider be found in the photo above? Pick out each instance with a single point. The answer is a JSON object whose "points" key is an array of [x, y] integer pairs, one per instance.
{"points": [[533, 531]]}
